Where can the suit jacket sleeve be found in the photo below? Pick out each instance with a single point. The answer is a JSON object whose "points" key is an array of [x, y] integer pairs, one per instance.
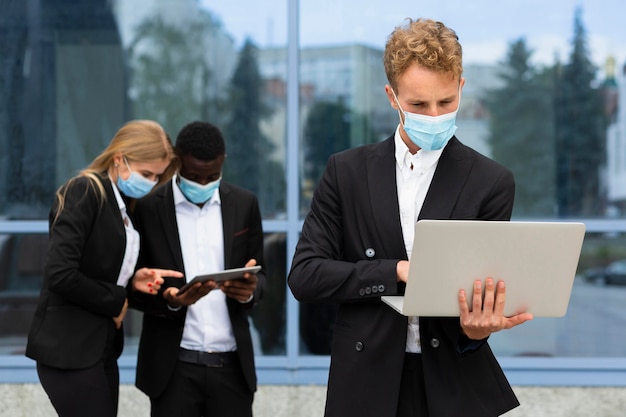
{"points": [[331, 262], [70, 240]]}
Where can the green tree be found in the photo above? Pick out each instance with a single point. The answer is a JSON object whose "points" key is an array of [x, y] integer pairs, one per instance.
{"points": [[522, 130], [330, 127], [580, 132], [327, 130], [170, 75], [249, 151]]}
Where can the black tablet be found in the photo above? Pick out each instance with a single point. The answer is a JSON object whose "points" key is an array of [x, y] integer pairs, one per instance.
{"points": [[229, 274]]}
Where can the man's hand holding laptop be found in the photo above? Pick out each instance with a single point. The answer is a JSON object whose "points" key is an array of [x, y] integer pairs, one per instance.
{"points": [[486, 315]]}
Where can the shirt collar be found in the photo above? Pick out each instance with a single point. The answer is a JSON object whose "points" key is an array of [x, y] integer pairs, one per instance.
{"points": [[404, 157], [118, 196]]}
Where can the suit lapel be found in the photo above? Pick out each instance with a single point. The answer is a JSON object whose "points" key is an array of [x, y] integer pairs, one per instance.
{"points": [[114, 206], [383, 197], [228, 221], [167, 216], [452, 170]]}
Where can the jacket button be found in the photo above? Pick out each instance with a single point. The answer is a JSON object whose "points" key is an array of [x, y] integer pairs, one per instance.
{"points": [[361, 292], [434, 342], [374, 289], [368, 290], [370, 252], [381, 288], [359, 346]]}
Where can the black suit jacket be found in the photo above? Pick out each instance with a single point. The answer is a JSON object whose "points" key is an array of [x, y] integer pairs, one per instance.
{"points": [[351, 242], [79, 295], [155, 218]]}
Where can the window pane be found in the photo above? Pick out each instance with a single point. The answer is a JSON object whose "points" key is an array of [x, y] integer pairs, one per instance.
{"points": [[203, 60], [342, 105], [22, 259], [269, 317], [72, 74], [593, 325], [62, 97]]}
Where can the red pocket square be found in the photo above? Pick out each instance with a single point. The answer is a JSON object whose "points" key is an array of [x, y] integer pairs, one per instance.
{"points": [[241, 232]]}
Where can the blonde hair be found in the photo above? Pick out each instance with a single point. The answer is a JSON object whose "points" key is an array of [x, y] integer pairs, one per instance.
{"points": [[137, 140], [426, 42]]}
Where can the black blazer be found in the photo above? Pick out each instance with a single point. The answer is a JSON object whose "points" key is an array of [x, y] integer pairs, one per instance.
{"points": [[79, 295], [351, 242], [155, 218]]}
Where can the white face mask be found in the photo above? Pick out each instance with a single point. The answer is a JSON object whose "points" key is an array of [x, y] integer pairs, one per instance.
{"points": [[430, 133]]}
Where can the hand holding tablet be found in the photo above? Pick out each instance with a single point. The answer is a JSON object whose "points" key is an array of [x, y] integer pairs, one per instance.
{"points": [[221, 276]]}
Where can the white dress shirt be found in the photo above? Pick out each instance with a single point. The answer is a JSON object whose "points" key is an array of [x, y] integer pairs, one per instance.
{"points": [[207, 325], [414, 174], [131, 251]]}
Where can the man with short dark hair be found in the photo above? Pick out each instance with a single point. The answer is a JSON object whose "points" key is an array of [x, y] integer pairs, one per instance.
{"points": [[195, 354]]}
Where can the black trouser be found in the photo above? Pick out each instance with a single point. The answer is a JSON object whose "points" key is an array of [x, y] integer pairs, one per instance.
{"points": [[205, 390], [92, 392], [412, 398]]}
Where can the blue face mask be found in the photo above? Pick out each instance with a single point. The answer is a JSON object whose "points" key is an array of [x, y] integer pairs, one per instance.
{"points": [[136, 186], [198, 193], [430, 133]]}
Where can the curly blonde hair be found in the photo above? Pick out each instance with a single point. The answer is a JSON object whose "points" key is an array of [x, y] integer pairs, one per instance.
{"points": [[426, 42]]}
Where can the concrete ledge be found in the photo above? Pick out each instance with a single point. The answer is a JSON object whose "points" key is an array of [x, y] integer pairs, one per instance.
{"points": [[29, 400]]}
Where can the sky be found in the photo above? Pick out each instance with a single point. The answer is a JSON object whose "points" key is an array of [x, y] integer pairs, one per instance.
{"points": [[485, 27]]}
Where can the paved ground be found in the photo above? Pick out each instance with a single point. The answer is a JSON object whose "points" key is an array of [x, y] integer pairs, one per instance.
{"points": [[308, 401]]}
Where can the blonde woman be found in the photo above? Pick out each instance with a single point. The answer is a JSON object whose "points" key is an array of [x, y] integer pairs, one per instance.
{"points": [[76, 334]]}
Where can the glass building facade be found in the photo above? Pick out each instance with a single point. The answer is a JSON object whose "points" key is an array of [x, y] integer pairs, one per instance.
{"points": [[289, 82]]}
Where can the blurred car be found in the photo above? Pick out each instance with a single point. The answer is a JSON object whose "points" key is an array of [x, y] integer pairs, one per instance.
{"points": [[612, 274]]}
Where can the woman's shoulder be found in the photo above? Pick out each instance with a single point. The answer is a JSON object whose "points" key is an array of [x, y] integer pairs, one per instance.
{"points": [[85, 187], [84, 181]]}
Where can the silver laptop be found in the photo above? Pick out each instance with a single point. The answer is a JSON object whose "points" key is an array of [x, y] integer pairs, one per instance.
{"points": [[537, 261]]}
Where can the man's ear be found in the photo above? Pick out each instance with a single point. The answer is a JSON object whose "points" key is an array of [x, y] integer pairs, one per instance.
{"points": [[390, 97]]}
